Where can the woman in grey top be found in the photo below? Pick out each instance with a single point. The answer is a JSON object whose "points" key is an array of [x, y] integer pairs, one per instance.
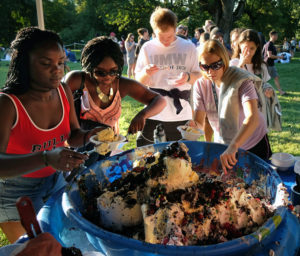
{"points": [[130, 49]]}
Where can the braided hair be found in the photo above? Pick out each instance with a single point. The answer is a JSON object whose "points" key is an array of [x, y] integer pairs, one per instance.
{"points": [[27, 39], [99, 48]]}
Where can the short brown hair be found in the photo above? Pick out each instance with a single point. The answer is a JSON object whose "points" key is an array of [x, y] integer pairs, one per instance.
{"points": [[163, 18], [141, 31], [273, 32], [214, 46]]}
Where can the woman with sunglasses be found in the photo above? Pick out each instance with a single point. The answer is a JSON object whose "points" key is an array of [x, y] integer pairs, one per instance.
{"points": [[227, 96], [104, 87]]}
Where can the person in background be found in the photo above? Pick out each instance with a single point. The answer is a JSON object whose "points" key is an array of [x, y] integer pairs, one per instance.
{"points": [[37, 117], [123, 49], [113, 37], [197, 35], [248, 56], [217, 34], [70, 55], [227, 96], [286, 45], [262, 39], [182, 31], [160, 59], [270, 54], [130, 49], [208, 26], [293, 47], [234, 37], [66, 67], [104, 87], [143, 38]]}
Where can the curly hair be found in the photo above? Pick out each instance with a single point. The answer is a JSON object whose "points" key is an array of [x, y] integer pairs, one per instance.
{"points": [[27, 39], [99, 48], [250, 35]]}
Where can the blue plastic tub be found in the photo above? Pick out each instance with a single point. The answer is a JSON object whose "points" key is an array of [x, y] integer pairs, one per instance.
{"points": [[273, 235]]}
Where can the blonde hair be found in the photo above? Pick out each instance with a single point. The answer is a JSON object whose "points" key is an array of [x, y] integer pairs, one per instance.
{"points": [[163, 18], [213, 46]]}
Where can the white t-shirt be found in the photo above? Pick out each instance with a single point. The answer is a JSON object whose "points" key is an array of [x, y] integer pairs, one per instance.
{"points": [[264, 74], [180, 56]]}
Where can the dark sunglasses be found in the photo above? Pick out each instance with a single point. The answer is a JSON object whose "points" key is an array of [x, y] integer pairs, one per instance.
{"points": [[103, 73], [214, 66]]}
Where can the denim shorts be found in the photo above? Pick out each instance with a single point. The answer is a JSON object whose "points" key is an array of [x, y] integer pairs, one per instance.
{"points": [[38, 189], [272, 71]]}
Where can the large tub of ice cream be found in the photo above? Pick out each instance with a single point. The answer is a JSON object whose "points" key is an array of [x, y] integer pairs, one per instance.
{"points": [[268, 238]]}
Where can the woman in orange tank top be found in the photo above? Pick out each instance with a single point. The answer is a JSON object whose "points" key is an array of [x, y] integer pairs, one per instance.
{"points": [[37, 117]]}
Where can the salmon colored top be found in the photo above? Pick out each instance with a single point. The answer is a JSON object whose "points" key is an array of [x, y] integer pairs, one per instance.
{"points": [[109, 115]]}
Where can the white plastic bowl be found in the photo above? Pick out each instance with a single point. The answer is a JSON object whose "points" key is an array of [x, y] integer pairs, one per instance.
{"points": [[112, 145], [194, 134], [283, 161]]}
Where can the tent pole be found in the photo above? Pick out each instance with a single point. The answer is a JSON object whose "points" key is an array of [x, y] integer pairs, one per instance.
{"points": [[40, 14]]}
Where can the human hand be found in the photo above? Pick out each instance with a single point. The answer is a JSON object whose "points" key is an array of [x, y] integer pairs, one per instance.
{"points": [[269, 92], [228, 158], [151, 69], [245, 57], [42, 245], [65, 159], [137, 124], [182, 79], [191, 123]]}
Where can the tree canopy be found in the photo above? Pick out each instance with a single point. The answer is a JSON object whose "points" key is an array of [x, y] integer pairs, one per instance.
{"points": [[77, 20]]}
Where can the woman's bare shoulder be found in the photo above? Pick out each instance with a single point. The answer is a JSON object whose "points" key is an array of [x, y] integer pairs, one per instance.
{"points": [[74, 79]]}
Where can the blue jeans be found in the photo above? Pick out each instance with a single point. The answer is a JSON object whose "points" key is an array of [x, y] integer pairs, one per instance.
{"points": [[38, 189]]}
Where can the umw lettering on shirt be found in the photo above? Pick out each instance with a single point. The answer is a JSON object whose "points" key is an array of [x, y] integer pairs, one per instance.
{"points": [[50, 144], [176, 59]]}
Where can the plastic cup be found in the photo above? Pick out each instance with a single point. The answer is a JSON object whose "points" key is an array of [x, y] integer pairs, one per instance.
{"points": [[295, 196], [171, 80]]}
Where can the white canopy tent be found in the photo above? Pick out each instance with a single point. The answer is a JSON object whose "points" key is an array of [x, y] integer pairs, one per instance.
{"points": [[40, 13]]}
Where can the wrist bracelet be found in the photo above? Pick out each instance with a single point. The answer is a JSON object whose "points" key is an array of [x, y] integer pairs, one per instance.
{"points": [[189, 76], [45, 159]]}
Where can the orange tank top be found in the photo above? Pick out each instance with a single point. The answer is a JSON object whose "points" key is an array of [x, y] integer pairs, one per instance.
{"points": [[26, 137], [109, 115]]}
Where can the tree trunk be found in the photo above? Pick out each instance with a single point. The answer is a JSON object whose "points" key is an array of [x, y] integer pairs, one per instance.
{"points": [[224, 17]]}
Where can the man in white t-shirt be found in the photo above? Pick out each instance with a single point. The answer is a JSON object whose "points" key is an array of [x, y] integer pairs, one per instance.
{"points": [[168, 65]]}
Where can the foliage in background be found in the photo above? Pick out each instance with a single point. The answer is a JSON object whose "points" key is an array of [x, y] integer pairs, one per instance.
{"points": [[81, 20]]}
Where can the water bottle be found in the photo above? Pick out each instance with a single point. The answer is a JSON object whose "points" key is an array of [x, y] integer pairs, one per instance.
{"points": [[159, 134]]}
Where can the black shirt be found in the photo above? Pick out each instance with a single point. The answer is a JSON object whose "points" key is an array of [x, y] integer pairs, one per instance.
{"points": [[270, 47], [139, 46]]}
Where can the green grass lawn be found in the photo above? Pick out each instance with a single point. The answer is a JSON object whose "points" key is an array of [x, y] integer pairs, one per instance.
{"points": [[288, 140]]}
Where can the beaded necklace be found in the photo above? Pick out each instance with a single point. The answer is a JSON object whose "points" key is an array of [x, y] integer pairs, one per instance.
{"points": [[103, 97]]}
